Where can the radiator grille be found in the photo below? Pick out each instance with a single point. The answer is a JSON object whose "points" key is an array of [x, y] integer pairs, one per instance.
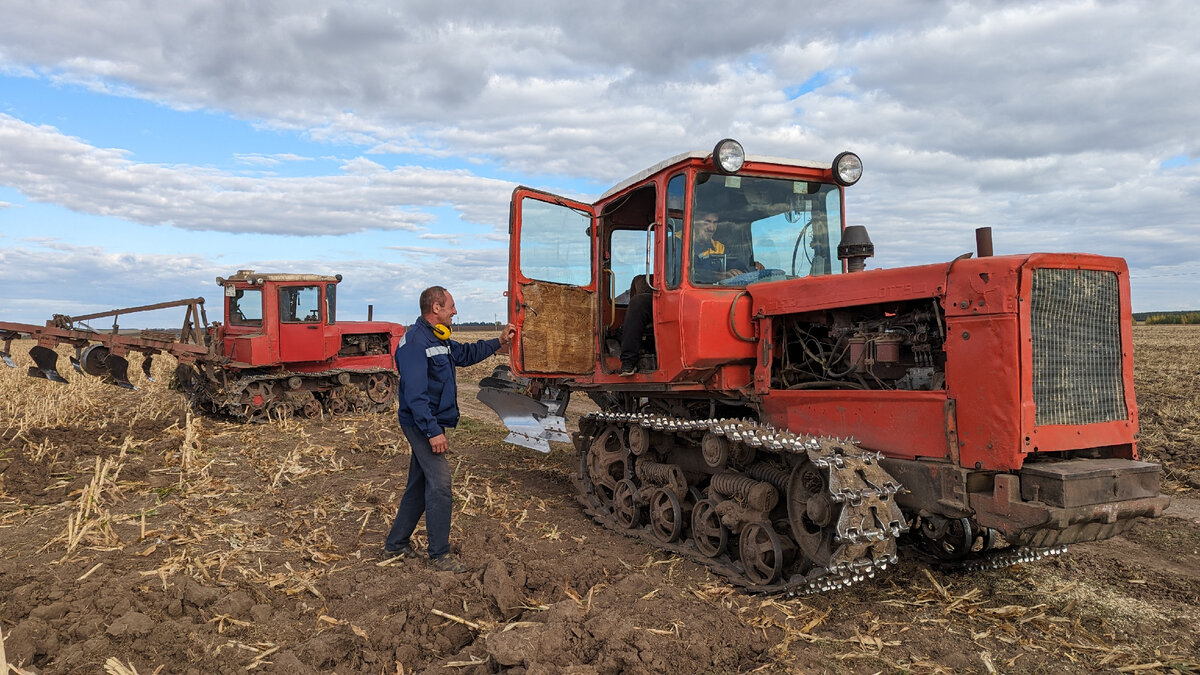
{"points": [[1075, 318]]}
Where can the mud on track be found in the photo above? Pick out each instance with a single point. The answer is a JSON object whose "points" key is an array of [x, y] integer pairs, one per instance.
{"points": [[129, 532]]}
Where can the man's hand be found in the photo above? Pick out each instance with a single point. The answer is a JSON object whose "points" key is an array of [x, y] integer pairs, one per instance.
{"points": [[506, 338], [439, 444]]}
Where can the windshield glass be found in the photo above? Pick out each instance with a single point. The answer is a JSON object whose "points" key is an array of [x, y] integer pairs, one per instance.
{"points": [[747, 229]]}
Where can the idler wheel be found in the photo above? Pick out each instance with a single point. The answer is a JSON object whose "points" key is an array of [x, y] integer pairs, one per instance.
{"points": [[625, 507], [709, 533], [814, 530], [666, 516], [761, 552], [957, 541]]}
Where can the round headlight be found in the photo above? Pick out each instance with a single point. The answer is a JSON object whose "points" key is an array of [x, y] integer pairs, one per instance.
{"points": [[847, 168], [728, 156]]}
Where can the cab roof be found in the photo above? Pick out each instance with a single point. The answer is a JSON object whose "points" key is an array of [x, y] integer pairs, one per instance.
{"points": [[705, 154], [250, 276]]}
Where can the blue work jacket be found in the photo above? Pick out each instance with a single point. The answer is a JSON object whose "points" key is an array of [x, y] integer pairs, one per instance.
{"points": [[428, 392]]}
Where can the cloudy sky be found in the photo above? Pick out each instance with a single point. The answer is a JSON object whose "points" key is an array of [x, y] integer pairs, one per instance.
{"points": [[146, 148]]}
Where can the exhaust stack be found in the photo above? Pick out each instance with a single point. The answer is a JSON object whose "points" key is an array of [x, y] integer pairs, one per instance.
{"points": [[983, 242]]}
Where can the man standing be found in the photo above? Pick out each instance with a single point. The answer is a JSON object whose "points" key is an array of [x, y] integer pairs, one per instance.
{"points": [[426, 359]]}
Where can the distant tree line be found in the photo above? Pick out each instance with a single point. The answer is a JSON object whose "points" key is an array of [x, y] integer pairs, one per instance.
{"points": [[1176, 318]]}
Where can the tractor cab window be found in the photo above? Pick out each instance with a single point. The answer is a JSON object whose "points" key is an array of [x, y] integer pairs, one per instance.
{"points": [[245, 306], [300, 304], [747, 229], [331, 302], [555, 243], [627, 251], [676, 194]]}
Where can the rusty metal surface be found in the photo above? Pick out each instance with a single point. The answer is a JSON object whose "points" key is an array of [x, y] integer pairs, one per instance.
{"points": [[1037, 523], [51, 335], [64, 321], [1080, 482]]}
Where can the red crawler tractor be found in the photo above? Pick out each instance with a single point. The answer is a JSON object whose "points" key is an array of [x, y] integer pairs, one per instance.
{"points": [[791, 414], [281, 350]]}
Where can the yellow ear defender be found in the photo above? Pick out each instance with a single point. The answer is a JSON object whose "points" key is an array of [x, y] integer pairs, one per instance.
{"points": [[442, 331]]}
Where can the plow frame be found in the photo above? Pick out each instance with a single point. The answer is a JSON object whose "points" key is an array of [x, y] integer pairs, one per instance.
{"points": [[103, 353]]}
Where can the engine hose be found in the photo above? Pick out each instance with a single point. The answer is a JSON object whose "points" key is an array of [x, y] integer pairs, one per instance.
{"points": [[733, 324]]}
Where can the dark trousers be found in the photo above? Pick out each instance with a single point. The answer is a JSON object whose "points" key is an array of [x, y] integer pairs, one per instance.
{"points": [[428, 492], [637, 316]]}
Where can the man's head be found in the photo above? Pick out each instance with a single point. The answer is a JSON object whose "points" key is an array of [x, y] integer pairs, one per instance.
{"points": [[705, 224], [437, 305]]}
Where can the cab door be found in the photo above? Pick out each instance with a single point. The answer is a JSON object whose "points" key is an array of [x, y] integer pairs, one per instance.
{"points": [[301, 324], [552, 285]]}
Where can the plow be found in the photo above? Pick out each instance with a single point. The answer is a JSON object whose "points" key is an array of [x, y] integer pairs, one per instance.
{"points": [[281, 350], [104, 355]]}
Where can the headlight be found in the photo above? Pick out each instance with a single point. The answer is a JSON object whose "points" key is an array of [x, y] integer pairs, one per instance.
{"points": [[728, 156], [847, 168]]}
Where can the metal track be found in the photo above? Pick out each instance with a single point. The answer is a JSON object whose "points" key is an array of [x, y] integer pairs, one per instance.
{"points": [[226, 401], [864, 535]]}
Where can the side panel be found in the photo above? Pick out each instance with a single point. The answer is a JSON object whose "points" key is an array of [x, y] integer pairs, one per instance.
{"points": [[983, 375], [903, 424], [707, 329]]}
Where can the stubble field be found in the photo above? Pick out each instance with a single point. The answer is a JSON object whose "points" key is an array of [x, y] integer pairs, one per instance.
{"points": [[136, 538]]}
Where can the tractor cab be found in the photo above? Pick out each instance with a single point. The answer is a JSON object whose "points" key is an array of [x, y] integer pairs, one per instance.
{"points": [[693, 232], [279, 318]]}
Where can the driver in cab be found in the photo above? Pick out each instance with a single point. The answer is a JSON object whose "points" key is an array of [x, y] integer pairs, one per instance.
{"points": [[708, 254], [709, 262], [708, 267]]}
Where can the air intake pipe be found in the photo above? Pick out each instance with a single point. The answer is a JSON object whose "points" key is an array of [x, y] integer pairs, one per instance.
{"points": [[855, 248]]}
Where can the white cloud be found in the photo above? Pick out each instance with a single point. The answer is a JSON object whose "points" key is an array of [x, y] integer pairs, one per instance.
{"points": [[59, 278], [269, 160], [48, 166], [1049, 121]]}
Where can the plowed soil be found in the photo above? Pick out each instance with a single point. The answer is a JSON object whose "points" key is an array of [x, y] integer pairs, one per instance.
{"points": [[136, 538]]}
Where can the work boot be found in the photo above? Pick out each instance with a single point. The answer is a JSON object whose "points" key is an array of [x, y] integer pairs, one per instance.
{"points": [[405, 551], [447, 563]]}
